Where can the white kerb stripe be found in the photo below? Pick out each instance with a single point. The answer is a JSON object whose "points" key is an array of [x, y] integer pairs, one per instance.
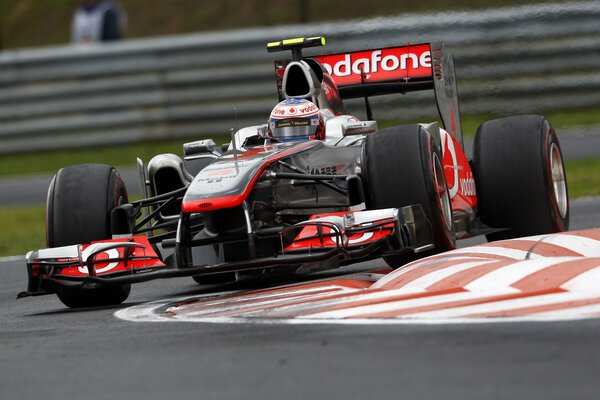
{"points": [[588, 310], [434, 277], [404, 304], [588, 281], [503, 305], [504, 277], [145, 312], [349, 301], [264, 296], [515, 254], [239, 308], [585, 246], [423, 263]]}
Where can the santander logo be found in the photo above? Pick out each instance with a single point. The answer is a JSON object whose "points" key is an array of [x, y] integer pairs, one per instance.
{"points": [[378, 65]]}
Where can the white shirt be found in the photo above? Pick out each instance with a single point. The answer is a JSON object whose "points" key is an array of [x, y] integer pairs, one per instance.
{"points": [[87, 24]]}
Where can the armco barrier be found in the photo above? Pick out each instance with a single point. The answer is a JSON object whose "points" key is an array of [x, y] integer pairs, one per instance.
{"points": [[523, 59]]}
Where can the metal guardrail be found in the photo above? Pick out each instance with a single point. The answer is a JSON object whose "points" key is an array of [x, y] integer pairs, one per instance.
{"points": [[523, 59]]}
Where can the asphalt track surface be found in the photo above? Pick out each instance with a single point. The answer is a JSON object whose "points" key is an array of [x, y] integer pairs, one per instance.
{"points": [[48, 351]]}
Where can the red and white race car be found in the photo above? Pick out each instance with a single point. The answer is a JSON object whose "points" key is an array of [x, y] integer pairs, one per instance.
{"points": [[313, 188]]}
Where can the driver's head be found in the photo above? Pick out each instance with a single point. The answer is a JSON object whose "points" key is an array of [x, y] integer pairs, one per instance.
{"points": [[296, 119]]}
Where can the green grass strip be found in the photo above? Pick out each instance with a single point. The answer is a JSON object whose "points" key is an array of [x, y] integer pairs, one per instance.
{"points": [[583, 177], [23, 229], [560, 119], [118, 156]]}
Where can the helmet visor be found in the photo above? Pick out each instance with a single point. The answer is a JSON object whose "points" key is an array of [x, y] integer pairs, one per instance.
{"points": [[291, 128]]}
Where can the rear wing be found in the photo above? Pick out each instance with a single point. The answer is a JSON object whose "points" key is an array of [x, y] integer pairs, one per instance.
{"points": [[400, 69]]}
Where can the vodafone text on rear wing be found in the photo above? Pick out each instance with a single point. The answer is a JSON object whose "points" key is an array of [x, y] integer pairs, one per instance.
{"points": [[400, 69]]}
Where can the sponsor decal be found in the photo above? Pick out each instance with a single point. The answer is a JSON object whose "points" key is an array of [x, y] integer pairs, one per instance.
{"points": [[292, 122], [448, 148], [303, 109], [365, 237], [112, 253], [459, 177], [467, 186], [353, 240], [378, 65], [215, 176], [221, 172], [328, 170], [218, 179]]}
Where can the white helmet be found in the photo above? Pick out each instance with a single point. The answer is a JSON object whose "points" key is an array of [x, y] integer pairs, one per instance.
{"points": [[296, 119]]}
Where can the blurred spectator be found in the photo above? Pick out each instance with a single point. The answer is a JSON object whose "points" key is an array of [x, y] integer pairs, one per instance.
{"points": [[97, 21]]}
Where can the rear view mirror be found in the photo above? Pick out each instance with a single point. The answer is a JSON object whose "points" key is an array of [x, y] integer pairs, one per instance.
{"points": [[199, 147]]}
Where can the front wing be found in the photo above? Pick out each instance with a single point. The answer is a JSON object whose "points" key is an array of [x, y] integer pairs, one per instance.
{"points": [[339, 237]]}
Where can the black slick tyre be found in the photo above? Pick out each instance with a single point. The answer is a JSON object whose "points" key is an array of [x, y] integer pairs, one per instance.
{"points": [[520, 177], [401, 168], [80, 199]]}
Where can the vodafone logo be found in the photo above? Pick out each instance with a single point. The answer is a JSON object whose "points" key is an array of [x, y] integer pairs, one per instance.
{"points": [[378, 65], [376, 62], [448, 148], [457, 179], [303, 109], [309, 108]]}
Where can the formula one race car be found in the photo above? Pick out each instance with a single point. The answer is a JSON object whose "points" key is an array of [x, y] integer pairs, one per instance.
{"points": [[314, 188]]}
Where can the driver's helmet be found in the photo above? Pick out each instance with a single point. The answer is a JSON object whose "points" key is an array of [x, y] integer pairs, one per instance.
{"points": [[296, 119]]}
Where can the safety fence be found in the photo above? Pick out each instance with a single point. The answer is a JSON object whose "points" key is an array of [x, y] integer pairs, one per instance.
{"points": [[523, 59]]}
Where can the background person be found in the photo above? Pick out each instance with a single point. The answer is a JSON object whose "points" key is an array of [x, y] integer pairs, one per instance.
{"points": [[97, 21]]}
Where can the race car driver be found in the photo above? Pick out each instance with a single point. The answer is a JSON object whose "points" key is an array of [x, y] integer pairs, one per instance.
{"points": [[296, 119]]}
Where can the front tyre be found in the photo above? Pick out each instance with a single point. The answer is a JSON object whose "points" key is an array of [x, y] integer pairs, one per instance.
{"points": [[520, 177], [402, 168], [80, 200]]}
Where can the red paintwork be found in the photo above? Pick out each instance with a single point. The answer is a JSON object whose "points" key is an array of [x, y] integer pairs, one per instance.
{"points": [[150, 260], [301, 242], [459, 175], [193, 206], [380, 65]]}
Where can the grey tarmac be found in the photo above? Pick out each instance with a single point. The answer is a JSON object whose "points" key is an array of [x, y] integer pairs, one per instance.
{"points": [[50, 352]]}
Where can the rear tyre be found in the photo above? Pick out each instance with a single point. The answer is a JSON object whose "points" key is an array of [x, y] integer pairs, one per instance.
{"points": [[520, 177], [80, 199], [402, 168]]}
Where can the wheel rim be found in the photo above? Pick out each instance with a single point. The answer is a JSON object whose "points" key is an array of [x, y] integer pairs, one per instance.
{"points": [[441, 190], [559, 182]]}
